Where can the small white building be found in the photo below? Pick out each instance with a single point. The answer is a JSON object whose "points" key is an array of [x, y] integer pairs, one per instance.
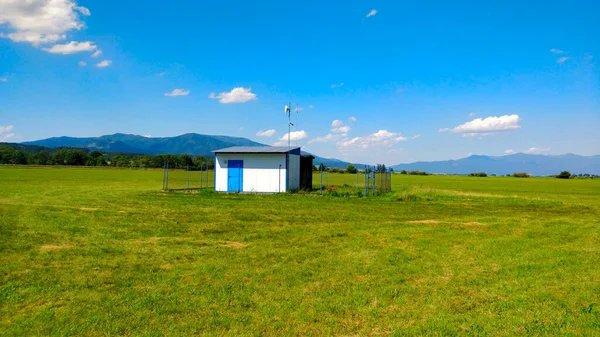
{"points": [[257, 169]]}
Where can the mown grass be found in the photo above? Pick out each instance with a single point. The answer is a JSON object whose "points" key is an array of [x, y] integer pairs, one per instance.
{"points": [[105, 252]]}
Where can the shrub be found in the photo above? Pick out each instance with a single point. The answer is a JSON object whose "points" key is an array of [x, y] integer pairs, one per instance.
{"points": [[403, 172], [564, 175], [521, 175], [478, 174], [418, 173], [351, 168]]}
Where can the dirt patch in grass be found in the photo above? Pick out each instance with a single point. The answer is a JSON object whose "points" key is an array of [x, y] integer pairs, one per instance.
{"points": [[430, 221], [167, 266], [89, 209], [55, 247], [154, 239], [474, 223], [235, 244]]}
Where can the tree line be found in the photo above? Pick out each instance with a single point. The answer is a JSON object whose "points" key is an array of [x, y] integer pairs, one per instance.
{"points": [[81, 157]]}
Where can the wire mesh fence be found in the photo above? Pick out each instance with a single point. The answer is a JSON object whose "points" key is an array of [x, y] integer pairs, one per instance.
{"points": [[187, 179], [367, 181]]}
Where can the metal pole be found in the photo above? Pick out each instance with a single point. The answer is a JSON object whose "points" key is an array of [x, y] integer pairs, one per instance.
{"points": [[167, 182], [200, 175], [164, 167], [187, 177], [366, 183], [373, 180], [357, 179], [279, 186], [321, 178], [207, 175], [327, 176]]}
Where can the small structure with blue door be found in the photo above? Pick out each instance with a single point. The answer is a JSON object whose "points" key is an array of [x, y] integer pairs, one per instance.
{"points": [[257, 169]]}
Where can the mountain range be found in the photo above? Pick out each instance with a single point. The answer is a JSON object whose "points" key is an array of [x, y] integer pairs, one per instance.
{"points": [[197, 144]]}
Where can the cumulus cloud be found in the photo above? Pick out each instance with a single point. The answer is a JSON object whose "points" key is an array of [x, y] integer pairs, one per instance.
{"points": [[97, 53], [71, 48], [352, 119], [40, 21], [509, 151], [177, 92], [377, 139], [536, 150], [82, 63], [556, 51], [5, 132], [562, 60], [329, 138], [236, 95], [104, 64], [333, 86], [294, 135], [337, 126], [373, 12], [148, 136], [487, 126], [267, 133]]}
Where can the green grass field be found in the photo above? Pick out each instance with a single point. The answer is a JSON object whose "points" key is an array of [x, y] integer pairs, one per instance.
{"points": [[105, 252]]}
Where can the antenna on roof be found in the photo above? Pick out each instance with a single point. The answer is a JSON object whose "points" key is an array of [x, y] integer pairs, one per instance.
{"points": [[288, 111]]}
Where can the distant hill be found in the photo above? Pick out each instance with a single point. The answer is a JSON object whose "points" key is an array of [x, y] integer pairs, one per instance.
{"points": [[190, 143], [538, 165]]}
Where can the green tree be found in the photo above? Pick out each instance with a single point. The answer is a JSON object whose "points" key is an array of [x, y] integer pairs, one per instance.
{"points": [[351, 168], [403, 172], [564, 175]]}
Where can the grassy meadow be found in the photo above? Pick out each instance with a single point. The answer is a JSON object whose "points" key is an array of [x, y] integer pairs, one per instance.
{"points": [[105, 252]]}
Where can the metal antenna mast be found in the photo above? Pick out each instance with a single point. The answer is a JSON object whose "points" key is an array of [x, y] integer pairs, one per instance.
{"points": [[288, 109]]}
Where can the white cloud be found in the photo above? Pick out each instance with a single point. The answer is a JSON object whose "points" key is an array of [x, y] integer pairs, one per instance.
{"points": [[4, 132], [177, 92], [4, 129], [472, 114], [104, 64], [294, 135], [82, 63], [337, 126], [556, 51], [352, 119], [4, 79], [236, 95], [268, 133], [97, 53], [534, 150], [415, 136], [377, 139], [373, 12], [333, 86], [71, 48], [311, 106], [487, 126], [40, 21], [162, 74], [562, 60], [148, 136], [329, 138], [509, 151], [298, 109]]}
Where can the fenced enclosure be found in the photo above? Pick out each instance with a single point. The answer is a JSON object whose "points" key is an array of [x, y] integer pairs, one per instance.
{"points": [[368, 181], [188, 179]]}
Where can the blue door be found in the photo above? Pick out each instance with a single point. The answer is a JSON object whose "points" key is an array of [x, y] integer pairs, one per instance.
{"points": [[235, 177]]}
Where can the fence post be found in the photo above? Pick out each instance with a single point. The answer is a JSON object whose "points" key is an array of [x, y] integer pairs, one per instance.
{"points": [[207, 175], [373, 180], [366, 183], [327, 177], [200, 176], [357, 179], [167, 181], [187, 177], [321, 178], [164, 167]]}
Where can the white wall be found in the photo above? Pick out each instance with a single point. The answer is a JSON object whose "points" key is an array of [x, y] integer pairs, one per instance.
{"points": [[261, 172], [294, 172]]}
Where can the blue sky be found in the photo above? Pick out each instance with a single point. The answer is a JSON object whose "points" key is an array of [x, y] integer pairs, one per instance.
{"points": [[376, 81]]}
